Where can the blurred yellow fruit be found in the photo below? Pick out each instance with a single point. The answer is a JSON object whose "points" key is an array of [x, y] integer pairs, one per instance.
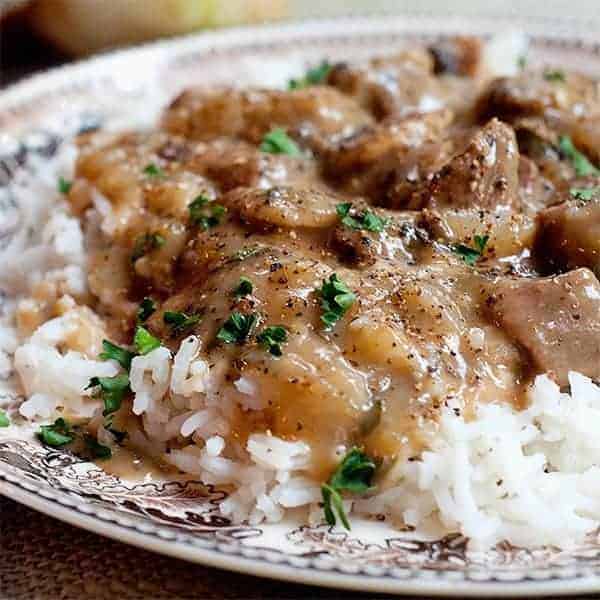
{"points": [[85, 26]]}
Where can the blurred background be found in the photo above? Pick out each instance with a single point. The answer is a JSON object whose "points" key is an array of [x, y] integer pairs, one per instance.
{"points": [[37, 34]]}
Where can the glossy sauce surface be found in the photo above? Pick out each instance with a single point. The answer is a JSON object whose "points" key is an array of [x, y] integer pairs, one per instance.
{"points": [[428, 323]]}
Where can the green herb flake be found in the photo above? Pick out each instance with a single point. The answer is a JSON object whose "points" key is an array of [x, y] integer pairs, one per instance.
{"points": [[584, 194], [112, 390], [64, 185], [146, 309], [237, 328], [205, 213], [271, 339], [96, 449], [180, 321], [57, 434], [113, 352], [336, 299], [4, 420], [153, 170], [146, 243], [278, 142], [354, 474], [481, 242], [522, 61], [554, 75], [144, 341], [472, 255], [314, 76], [243, 288], [582, 165], [365, 220]]}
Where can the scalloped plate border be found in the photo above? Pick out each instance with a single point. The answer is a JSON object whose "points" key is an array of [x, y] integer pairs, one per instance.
{"points": [[265, 563], [35, 96]]}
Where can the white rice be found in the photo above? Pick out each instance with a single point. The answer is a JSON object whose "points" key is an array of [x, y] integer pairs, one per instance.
{"points": [[61, 377], [530, 477]]}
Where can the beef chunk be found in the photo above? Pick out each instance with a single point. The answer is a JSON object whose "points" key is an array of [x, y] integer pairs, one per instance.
{"points": [[233, 163], [396, 138], [535, 191], [315, 116], [569, 233], [355, 247], [387, 162], [569, 104], [485, 174], [556, 319], [394, 85], [457, 56]]}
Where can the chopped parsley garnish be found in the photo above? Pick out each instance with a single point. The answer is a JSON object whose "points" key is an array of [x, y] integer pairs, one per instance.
{"points": [[180, 321], [64, 185], [336, 299], [112, 391], [95, 448], [354, 474], [205, 213], [57, 434], [146, 309], [145, 243], [271, 339], [4, 420], [366, 220], [584, 194], [554, 75], [472, 255], [144, 341], [243, 288], [114, 352], [313, 76], [237, 328], [153, 170], [277, 141], [582, 165]]}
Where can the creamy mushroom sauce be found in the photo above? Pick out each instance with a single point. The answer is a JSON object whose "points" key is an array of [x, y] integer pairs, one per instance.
{"points": [[472, 287]]}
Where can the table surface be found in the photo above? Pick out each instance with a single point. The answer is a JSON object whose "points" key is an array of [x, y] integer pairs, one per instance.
{"points": [[42, 558]]}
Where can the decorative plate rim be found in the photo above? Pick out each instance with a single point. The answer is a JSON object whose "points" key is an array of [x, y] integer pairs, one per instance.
{"points": [[264, 561], [551, 28], [272, 564]]}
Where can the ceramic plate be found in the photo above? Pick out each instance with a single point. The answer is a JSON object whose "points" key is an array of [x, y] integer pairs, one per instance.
{"points": [[181, 518]]}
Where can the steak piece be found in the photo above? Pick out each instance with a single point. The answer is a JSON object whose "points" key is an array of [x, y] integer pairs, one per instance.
{"points": [[387, 162], [316, 116], [459, 55], [535, 191], [556, 319], [569, 104], [569, 234], [484, 175], [396, 85]]}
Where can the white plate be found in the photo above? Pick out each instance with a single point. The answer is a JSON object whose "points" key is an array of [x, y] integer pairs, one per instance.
{"points": [[180, 519]]}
